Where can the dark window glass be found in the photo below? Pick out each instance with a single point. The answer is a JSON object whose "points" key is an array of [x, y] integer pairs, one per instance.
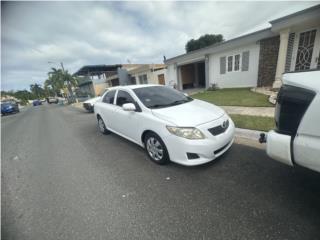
{"points": [[109, 97], [230, 63], [292, 103], [160, 96], [123, 97]]}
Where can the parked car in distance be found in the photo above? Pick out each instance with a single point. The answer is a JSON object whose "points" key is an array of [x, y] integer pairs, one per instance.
{"points": [[52, 100], [36, 102], [168, 124], [88, 104], [8, 107], [296, 139]]}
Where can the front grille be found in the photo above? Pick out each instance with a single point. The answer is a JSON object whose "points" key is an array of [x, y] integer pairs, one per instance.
{"points": [[219, 129]]}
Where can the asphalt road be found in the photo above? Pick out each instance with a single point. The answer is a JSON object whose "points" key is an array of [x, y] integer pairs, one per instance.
{"points": [[62, 179]]}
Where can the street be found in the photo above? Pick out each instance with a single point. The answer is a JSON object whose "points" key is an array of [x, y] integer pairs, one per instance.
{"points": [[62, 179]]}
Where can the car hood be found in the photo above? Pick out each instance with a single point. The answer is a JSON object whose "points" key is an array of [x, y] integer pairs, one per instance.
{"points": [[92, 100], [190, 114]]}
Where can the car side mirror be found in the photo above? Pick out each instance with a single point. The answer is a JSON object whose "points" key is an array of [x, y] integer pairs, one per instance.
{"points": [[130, 107]]}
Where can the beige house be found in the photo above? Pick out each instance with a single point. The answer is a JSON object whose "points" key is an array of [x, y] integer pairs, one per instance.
{"points": [[148, 74]]}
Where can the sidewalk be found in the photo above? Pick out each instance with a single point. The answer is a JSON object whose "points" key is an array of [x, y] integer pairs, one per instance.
{"points": [[253, 111]]}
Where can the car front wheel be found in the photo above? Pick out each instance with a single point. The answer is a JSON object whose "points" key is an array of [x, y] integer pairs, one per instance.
{"points": [[156, 149], [102, 127]]}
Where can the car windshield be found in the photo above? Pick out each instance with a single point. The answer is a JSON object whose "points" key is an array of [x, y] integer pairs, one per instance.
{"points": [[160, 96], [6, 104]]}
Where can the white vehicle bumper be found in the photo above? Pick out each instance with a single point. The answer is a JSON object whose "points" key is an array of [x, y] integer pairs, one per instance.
{"points": [[279, 147], [207, 149]]}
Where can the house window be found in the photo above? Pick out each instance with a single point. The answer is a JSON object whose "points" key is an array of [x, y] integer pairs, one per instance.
{"points": [[237, 62], [230, 63], [143, 79]]}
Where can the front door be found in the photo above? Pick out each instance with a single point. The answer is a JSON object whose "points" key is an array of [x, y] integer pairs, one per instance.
{"points": [[126, 123], [307, 56], [161, 79]]}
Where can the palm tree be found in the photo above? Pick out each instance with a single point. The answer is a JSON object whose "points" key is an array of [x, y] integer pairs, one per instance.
{"points": [[58, 78], [35, 89]]}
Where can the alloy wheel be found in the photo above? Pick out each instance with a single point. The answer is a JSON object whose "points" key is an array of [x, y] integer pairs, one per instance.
{"points": [[154, 149]]}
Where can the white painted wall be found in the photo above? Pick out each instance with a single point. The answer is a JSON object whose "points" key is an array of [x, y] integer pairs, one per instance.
{"points": [[239, 78], [171, 75], [229, 79]]}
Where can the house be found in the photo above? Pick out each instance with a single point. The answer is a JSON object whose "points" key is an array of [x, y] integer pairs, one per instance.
{"points": [[121, 76], [92, 78], [258, 59], [148, 73]]}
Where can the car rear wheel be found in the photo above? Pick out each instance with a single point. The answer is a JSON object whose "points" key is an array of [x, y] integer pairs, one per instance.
{"points": [[102, 127], [156, 149]]}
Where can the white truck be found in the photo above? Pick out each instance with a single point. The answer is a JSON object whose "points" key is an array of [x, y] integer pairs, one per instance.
{"points": [[296, 138]]}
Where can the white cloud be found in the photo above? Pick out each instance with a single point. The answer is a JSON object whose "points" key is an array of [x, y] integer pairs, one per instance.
{"points": [[79, 33]]}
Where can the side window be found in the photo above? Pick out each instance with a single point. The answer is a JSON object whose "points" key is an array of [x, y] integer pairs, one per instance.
{"points": [[124, 97], [237, 62], [230, 63], [109, 97]]}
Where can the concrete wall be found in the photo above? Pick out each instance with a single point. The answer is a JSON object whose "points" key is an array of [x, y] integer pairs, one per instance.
{"points": [[99, 88], [239, 78], [123, 77]]}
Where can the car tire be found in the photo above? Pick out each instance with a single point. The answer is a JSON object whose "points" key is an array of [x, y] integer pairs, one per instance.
{"points": [[102, 126], [156, 149]]}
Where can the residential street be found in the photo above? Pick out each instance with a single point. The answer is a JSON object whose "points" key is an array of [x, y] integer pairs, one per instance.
{"points": [[62, 179]]}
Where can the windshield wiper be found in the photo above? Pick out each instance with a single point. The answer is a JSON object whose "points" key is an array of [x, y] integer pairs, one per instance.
{"points": [[178, 102], [170, 104], [158, 105]]}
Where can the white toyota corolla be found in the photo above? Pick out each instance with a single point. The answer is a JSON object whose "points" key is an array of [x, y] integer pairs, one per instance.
{"points": [[168, 124]]}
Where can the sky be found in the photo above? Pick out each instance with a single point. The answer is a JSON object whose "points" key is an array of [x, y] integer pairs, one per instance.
{"points": [[36, 36]]}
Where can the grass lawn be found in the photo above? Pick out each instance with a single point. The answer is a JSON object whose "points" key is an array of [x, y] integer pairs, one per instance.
{"points": [[234, 97], [253, 122]]}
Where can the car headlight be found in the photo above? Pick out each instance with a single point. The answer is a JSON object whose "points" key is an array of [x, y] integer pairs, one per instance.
{"points": [[186, 132]]}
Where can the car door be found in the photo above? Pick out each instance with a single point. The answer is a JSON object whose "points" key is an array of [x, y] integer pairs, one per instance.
{"points": [[127, 123], [107, 108]]}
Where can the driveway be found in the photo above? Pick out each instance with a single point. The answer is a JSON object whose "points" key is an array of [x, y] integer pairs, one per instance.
{"points": [[62, 179]]}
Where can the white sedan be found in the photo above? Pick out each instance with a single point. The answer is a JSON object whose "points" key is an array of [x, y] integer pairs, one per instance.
{"points": [[168, 124]]}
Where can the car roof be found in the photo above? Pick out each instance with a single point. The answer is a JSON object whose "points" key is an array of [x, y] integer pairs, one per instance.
{"points": [[133, 86]]}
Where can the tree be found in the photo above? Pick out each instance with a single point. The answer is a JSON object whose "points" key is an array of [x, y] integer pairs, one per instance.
{"points": [[203, 41], [37, 90], [59, 78]]}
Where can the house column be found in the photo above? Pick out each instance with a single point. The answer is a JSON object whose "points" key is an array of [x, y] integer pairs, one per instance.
{"points": [[281, 63], [178, 72], [207, 70], [196, 75]]}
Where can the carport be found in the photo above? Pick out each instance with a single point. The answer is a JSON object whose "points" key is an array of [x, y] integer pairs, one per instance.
{"points": [[192, 75]]}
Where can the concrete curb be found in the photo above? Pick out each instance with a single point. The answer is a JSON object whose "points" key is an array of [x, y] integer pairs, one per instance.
{"points": [[248, 134]]}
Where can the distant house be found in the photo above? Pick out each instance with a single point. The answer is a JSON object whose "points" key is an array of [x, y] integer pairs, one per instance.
{"points": [[292, 43], [148, 73], [93, 78], [121, 76]]}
